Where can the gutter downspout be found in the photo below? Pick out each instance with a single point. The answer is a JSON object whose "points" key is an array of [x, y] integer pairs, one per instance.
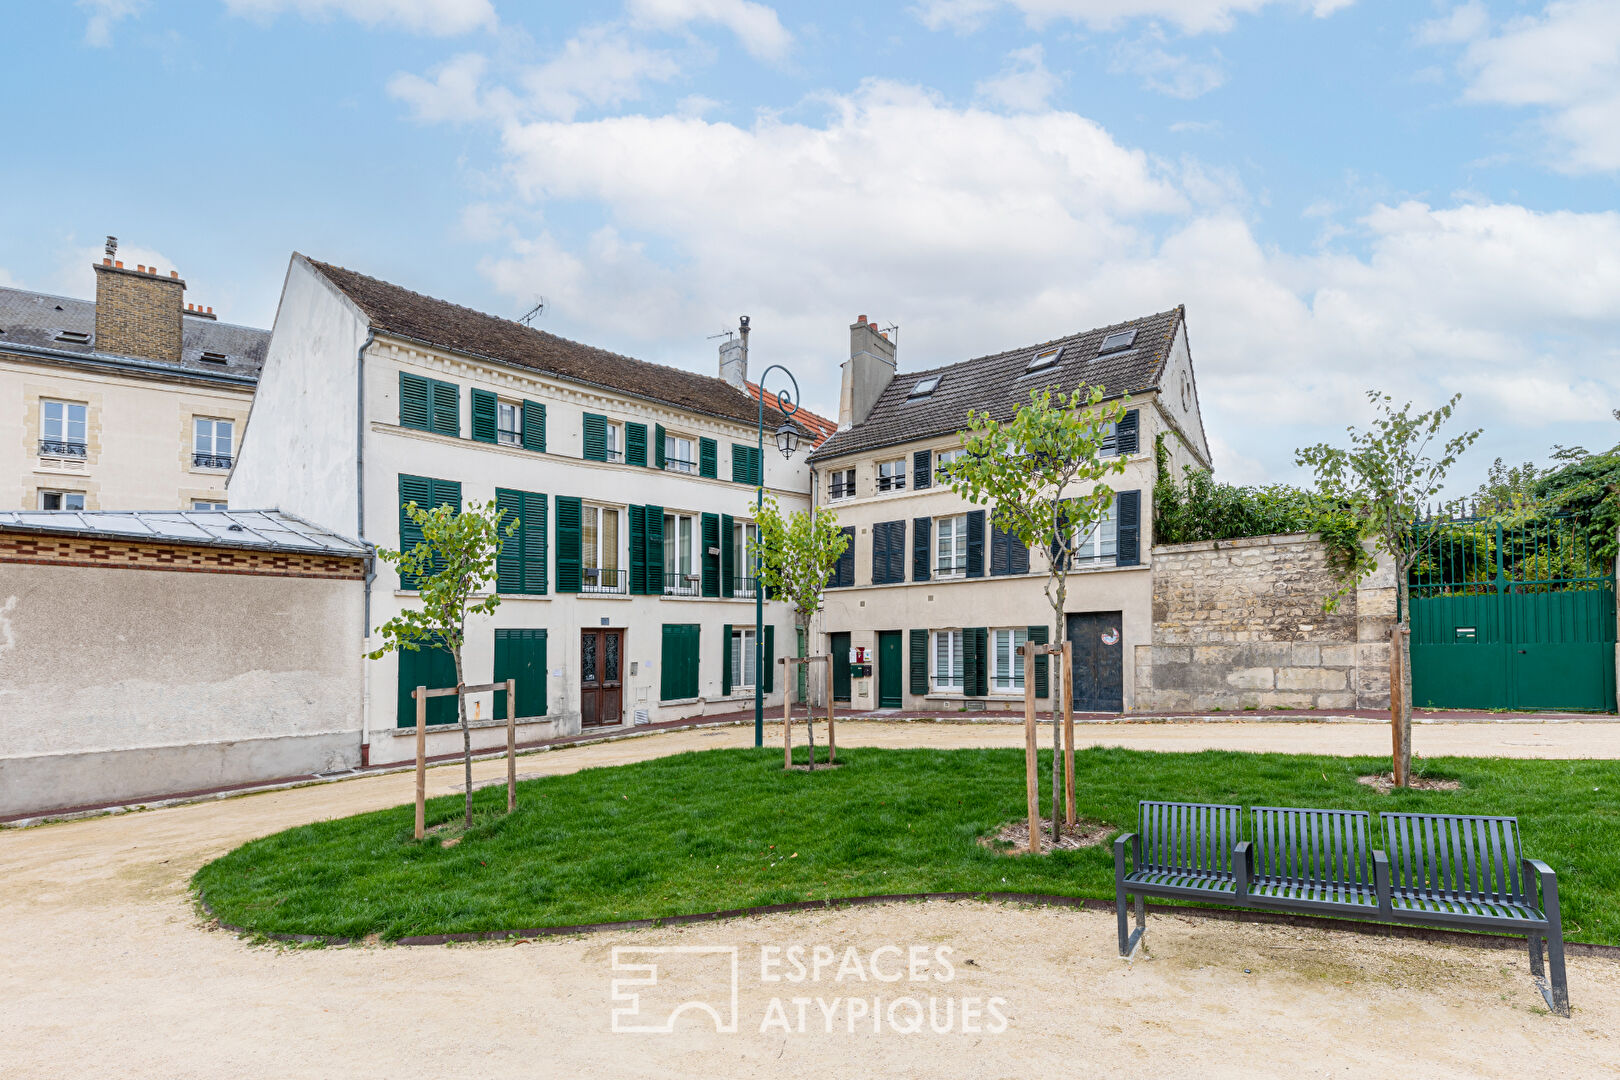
{"points": [[360, 534]]}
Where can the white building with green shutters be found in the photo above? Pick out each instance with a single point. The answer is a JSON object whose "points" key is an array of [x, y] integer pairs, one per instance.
{"points": [[626, 592]]}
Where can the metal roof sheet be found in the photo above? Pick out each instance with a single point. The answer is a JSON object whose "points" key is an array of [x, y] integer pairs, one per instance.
{"points": [[254, 530]]}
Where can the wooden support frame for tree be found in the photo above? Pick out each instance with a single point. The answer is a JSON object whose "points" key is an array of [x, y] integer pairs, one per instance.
{"points": [[1030, 771], [1063, 746], [788, 663], [421, 695]]}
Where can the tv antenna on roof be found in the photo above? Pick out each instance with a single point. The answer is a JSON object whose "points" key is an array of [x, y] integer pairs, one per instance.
{"points": [[539, 309], [722, 334]]}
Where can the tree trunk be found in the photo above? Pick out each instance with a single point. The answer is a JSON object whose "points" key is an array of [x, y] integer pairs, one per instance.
{"points": [[1054, 686], [466, 734]]}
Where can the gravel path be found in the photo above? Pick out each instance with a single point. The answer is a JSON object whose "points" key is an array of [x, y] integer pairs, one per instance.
{"points": [[105, 970]]}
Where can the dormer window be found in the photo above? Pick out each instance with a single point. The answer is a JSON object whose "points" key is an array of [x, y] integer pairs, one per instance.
{"points": [[1119, 339], [1044, 359], [924, 387]]}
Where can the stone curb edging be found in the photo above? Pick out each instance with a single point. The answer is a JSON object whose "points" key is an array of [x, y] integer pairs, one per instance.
{"points": [[1313, 922]]}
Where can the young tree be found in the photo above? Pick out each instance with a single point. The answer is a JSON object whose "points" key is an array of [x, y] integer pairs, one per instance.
{"points": [[797, 554], [1388, 477], [452, 563], [1030, 469]]}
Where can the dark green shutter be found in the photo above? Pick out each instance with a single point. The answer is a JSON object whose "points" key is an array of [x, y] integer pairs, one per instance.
{"points": [[711, 559], [635, 444], [728, 555], [725, 660], [568, 544], [739, 463], [922, 469], [976, 666], [919, 662], [534, 426], [417, 489], [483, 415], [679, 679], [435, 669], [521, 655], [534, 543], [843, 573], [509, 563], [638, 550], [1127, 436], [413, 401], [655, 551], [708, 454], [595, 444], [1128, 514], [768, 676], [1038, 635], [659, 461], [1000, 551], [446, 408], [975, 547]]}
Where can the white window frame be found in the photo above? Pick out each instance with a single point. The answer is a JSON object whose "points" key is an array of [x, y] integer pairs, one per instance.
{"points": [[945, 664], [613, 441], [71, 414], [62, 499], [744, 539], [957, 535], [674, 460], [209, 504], [505, 436], [838, 492], [942, 458], [1100, 545], [1006, 666], [743, 658], [206, 440], [895, 478], [682, 567], [593, 554]]}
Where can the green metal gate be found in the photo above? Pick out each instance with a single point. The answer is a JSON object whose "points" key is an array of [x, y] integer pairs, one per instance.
{"points": [[1512, 616]]}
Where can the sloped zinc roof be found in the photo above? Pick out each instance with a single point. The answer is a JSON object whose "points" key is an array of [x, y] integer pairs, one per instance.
{"points": [[397, 310], [254, 530], [1000, 383]]}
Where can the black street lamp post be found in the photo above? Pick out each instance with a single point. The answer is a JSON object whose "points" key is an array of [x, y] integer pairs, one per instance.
{"points": [[787, 441]]}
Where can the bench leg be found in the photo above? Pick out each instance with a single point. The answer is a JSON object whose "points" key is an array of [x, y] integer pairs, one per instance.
{"points": [[1557, 992], [1537, 971], [1129, 939]]}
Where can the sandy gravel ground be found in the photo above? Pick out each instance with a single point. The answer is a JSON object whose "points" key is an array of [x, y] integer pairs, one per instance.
{"points": [[105, 970]]}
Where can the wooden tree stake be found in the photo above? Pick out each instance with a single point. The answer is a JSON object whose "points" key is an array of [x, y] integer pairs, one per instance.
{"points": [[1068, 737], [787, 727], [1397, 708], [420, 694], [1029, 750], [832, 740], [511, 745]]}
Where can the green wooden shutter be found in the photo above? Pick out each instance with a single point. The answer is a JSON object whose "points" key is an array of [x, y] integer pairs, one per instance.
{"points": [[679, 679], [655, 551], [534, 543], [1128, 515], [922, 469], [708, 454], [1038, 635], [595, 439], [483, 415], [417, 489], [725, 660], [445, 493], [710, 572], [569, 513], [768, 676], [534, 426], [659, 460], [413, 401], [739, 464], [919, 662], [728, 556], [976, 661], [1127, 435], [975, 544], [638, 550], [435, 669], [446, 406], [922, 538], [521, 655], [509, 563], [756, 466], [635, 444]]}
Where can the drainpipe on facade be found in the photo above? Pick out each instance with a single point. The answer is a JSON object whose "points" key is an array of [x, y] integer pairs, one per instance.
{"points": [[360, 534]]}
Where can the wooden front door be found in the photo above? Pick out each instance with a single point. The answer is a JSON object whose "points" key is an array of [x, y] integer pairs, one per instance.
{"points": [[601, 695], [1098, 675]]}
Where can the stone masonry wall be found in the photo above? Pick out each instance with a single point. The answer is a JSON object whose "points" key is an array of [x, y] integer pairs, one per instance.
{"points": [[1239, 624]]}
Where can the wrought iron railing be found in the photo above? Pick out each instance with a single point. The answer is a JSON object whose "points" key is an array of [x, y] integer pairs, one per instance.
{"points": [[201, 460], [951, 567], [681, 584], [613, 455], [680, 465], [842, 489], [595, 580], [57, 448], [1478, 554], [743, 586], [892, 483]]}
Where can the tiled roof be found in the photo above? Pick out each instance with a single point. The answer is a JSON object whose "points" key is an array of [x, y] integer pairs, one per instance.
{"points": [[36, 321], [397, 310], [254, 530], [999, 384], [817, 428]]}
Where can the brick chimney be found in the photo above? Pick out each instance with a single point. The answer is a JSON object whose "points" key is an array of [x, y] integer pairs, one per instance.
{"points": [[138, 311], [867, 373]]}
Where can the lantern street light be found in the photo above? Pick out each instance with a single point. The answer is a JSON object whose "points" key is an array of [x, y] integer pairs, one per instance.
{"points": [[787, 441]]}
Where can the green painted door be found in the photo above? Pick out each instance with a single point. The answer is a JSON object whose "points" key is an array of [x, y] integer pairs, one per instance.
{"points": [[434, 669], [521, 655], [838, 645], [890, 662], [679, 677]]}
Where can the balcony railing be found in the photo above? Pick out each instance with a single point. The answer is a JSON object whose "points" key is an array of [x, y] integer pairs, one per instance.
{"points": [[679, 465], [681, 584], [951, 567], [611, 582], [743, 586], [54, 448], [200, 460], [892, 483], [842, 489]]}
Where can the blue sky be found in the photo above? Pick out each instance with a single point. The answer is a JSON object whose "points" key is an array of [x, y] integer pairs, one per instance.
{"points": [[1346, 194]]}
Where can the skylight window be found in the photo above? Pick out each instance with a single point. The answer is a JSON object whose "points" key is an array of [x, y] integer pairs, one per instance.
{"points": [[1119, 339], [214, 357], [1044, 359], [74, 337], [924, 387]]}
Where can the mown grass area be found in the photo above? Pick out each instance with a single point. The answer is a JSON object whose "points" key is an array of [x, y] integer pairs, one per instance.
{"points": [[729, 828]]}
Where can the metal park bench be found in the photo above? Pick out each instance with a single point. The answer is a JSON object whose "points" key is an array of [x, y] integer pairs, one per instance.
{"points": [[1446, 870]]}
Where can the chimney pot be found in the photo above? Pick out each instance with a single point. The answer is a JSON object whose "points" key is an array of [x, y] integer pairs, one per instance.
{"points": [[174, 273], [106, 262], [141, 267], [210, 311], [860, 318], [119, 263]]}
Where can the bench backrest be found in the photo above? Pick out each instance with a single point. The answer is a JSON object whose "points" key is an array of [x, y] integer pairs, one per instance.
{"points": [[1190, 836], [1462, 855], [1323, 846]]}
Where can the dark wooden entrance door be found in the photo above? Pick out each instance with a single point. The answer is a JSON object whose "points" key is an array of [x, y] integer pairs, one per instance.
{"points": [[1098, 674], [888, 658], [601, 695], [839, 646]]}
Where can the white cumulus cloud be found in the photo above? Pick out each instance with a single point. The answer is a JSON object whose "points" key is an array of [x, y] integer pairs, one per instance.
{"points": [[756, 26], [442, 18], [1023, 84], [103, 16], [1192, 16]]}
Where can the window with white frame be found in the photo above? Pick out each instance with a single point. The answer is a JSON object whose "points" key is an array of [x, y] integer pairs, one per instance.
{"points": [[1006, 666], [743, 660], [745, 538], [1101, 543], [944, 458], [62, 428], [680, 566], [948, 660], [599, 550], [211, 443], [950, 546], [61, 500], [841, 484], [208, 504], [891, 475], [678, 456], [613, 441], [508, 423]]}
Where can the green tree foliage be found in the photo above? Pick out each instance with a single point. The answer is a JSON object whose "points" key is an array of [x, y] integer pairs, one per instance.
{"points": [[453, 563], [797, 554]]}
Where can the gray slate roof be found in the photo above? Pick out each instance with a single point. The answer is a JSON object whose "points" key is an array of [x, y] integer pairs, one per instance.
{"points": [[253, 530], [998, 384], [34, 320]]}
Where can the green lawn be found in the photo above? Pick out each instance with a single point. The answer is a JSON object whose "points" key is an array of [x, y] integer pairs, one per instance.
{"points": [[729, 828]]}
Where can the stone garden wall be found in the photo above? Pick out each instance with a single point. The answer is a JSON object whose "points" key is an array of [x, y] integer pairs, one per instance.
{"points": [[1239, 624]]}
